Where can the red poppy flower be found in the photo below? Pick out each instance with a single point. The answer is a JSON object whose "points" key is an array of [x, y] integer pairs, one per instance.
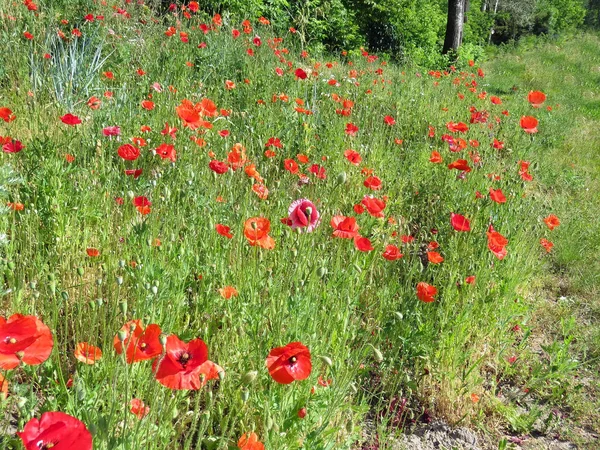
{"points": [[7, 115], [135, 173], [497, 195], [301, 74], [552, 222], [458, 127], [128, 152], [303, 214], [289, 363], [142, 204], [353, 156], [435, 157], [92, 252], [373, 183], [426, 292], [496, 100], [497, 243], [148, 105], [87, 353], [224, 230], [166, 151], [291, 166], [138, 408], [460, 164], [182, 364], [459, 222], [344, 227], [256, 231], [70, 119], [12, 146], [389, 120], [23, 339], [362, 244], [374, 205], [536, 98], [141, 343], [56, 430], [498, 145], [249, 441], [529, 124], [219, 167], [392, 253], [546, 244], [435, 257], [351, 129], [470, 279]]}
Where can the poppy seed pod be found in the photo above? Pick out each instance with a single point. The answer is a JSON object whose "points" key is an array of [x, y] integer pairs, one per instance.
{"points": [[122, 334], [121, 263], [163, 340], [119, 280], [154, 290], [245, 395], [123, 307], [342, 177], [32, 285]]}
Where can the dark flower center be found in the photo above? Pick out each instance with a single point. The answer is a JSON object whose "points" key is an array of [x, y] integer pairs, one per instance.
{"points": [[292, 360], [184, 358], [143, 345], [10, 340], [47, 445]]}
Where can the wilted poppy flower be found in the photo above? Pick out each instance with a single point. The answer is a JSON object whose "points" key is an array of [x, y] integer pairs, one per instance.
{"points": [[141, 343], [373, 205], [552, 222], [344, 227], [289, 363], [303, 214], [128, 152], [219, 167], [529, 124], [459, 222], [70, 119], [142, 204], [362, 244], [496, 243], [353, 156], [536, 98], [373, 183], [182, 364], [23, 339], [256, 231], [392, 253], [426, 292], [224, 230], [228, 291], [546, 244], [497, 195], [56, 430], [249, 441], [87, 353], [138, 408]]}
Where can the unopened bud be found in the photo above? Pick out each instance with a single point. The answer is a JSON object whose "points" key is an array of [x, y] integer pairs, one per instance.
{"points": [[154, 290], [98, 281], [122, 334], [119, 281], [163, 340], [341, 178], [80, 271], [326, 360], [123, 307], [64, 295], [249, 377], [245, 394], [377, 353]]}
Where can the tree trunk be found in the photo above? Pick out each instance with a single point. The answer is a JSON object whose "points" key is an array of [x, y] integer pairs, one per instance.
{"points": [[492, 29], [454, 26]]}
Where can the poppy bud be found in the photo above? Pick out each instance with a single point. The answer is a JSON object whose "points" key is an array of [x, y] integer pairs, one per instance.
{"points": [[154, 290], [122, 334], [221, 374], [32, 285], [130, 194], [80, 391], [149, 242], [377, 353], [302, 413], [269, 423], [245, 394], [80, 271], [64, 295], [123, 307], [341, 178], [399, 315], [99, 301], [358, 269], [175, 413], [249, 377], [121, 263], [53, 288], [322, 271], [92, 304], [326, 360], [156, 283], [147, 286], [98, 281], [119, 281], [163, 340]]}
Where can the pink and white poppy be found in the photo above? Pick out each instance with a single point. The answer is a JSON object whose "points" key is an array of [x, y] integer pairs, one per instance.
{"points": [[303, 214]]}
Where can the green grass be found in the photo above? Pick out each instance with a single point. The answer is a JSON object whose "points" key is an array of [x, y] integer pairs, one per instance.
{"points": [[357, 312]]}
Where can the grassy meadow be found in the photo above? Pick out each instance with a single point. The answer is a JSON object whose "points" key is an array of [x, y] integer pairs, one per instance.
{"points": [[150, 172]]}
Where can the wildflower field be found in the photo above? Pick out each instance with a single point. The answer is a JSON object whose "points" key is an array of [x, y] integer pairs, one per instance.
{"points": [[212, 238]]}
